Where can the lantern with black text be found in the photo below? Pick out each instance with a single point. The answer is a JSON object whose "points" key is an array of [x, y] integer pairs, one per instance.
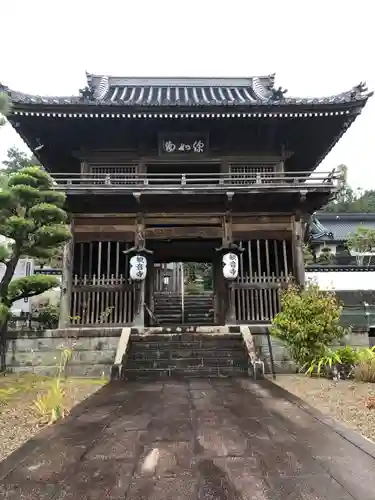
{"points": [[230, 266], [138, 267]]}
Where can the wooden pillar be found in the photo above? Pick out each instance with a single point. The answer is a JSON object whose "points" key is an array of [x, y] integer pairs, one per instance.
{"points": [[139, 242], [231, 311], [66, 283], [297, 246], [149, 292], [220, 291], [230, 317], [139, 317]]}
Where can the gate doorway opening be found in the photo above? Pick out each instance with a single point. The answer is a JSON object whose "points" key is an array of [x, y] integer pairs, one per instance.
{"points": [[183, 293]]}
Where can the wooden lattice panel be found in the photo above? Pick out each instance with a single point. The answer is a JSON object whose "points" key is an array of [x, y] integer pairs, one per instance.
{"points": [[251, 174], [114, 174]]}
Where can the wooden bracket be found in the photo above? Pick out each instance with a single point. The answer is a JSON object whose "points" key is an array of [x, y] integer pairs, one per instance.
{"points": [[227, 239], [139, 237]]}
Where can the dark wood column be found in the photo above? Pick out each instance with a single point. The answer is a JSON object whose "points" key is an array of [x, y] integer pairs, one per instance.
{"points": [[149, 292], [297, 245], [139, 245], [220, 290], [66, 282]]}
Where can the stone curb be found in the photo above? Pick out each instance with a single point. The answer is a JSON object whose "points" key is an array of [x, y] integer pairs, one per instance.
{"points": [[350, 435]]}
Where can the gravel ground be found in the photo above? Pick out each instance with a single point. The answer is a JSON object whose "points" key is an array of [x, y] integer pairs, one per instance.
{"points": [[18, 421], [344, 400]]}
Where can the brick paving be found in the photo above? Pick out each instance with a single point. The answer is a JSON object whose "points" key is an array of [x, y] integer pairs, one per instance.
{"points": [[216, 439]]}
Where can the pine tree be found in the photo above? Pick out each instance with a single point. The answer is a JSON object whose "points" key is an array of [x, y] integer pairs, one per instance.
{"points": [[4, 107], [34, 222]]}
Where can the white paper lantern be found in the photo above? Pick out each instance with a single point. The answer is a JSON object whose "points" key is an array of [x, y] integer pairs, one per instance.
{"points": [[138, 268], [230, 266]]}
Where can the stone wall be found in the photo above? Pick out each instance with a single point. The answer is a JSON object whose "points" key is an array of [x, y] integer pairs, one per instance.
{"points": [[39, 352], [94, 350], [282, 361]]}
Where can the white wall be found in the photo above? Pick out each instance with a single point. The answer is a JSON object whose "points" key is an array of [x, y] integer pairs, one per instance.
{"points": [[350, 280], [25, 267]]}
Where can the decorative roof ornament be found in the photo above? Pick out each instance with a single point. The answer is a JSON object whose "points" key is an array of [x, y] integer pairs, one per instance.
{"points": [[102, 89], [278, 94], [86, 93], [317, 230], [359, 90], [262, 92]]}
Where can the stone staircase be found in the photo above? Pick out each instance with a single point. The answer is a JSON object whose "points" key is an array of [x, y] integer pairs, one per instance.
{"points": [[185, 353], [198, 309]]}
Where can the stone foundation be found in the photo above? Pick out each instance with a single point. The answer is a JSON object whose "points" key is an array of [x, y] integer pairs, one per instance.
{"points": [[281, 357], [97, 350], [94, 351]]}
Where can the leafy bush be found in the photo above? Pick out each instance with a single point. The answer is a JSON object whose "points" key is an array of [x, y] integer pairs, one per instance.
{"points": [[365, 367], [336, 364], [349, 358], [308, 323], [328, 361], [48, 316], [348, 355]]}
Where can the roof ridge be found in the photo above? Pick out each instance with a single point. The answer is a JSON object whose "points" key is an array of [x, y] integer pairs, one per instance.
{"points": [[181, 77]]}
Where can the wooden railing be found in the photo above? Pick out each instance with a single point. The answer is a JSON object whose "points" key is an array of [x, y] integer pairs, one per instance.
{"points": [[257, 298], [170, 182], [104, 300]]}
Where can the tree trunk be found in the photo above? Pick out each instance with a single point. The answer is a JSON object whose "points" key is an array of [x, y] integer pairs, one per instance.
{"points": [[3, 346], [8, 276]]}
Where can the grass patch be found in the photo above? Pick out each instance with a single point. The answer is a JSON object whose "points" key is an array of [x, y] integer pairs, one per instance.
{"points": [[18, 386]]}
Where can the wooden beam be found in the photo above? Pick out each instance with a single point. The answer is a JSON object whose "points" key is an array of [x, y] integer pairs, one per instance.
{"points": [[188, 232], [103, 236], [185, 220], [178, 215], [104, 228], [265, 229], [104, 220], [262, 219]]}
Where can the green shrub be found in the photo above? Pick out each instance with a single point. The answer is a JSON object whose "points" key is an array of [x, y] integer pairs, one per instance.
{"points": [[48, 316], [364, 370], [308, 323], [324, 363], [348, 355]]}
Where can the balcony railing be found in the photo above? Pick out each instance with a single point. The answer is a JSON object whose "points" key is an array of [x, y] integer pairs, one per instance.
{"points": [[174, 182]]}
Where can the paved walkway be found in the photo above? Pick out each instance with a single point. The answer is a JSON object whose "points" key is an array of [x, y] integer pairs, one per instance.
{"points": [[205, 440]]}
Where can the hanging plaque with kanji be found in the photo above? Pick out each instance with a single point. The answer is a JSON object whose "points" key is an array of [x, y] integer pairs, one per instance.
{"points": [[182, 144]]}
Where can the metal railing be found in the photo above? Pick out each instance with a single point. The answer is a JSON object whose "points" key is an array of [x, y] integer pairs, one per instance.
{"points": [[196, 181]]}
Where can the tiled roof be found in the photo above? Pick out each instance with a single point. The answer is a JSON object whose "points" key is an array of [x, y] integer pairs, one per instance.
{"points": [[340, 225], [186, 92]]}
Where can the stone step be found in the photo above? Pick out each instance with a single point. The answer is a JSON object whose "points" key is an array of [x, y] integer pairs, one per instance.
{"points": [[201, 372], [185, 362], [178, 345], [185, 354], [236, 353], [188, 338]]}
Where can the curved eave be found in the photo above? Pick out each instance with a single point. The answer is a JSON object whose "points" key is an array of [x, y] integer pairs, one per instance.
{"points": [[260, 110], [142, 98]]}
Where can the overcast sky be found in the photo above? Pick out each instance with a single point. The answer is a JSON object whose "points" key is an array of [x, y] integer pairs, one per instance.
{"points": [[316, 47]]}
